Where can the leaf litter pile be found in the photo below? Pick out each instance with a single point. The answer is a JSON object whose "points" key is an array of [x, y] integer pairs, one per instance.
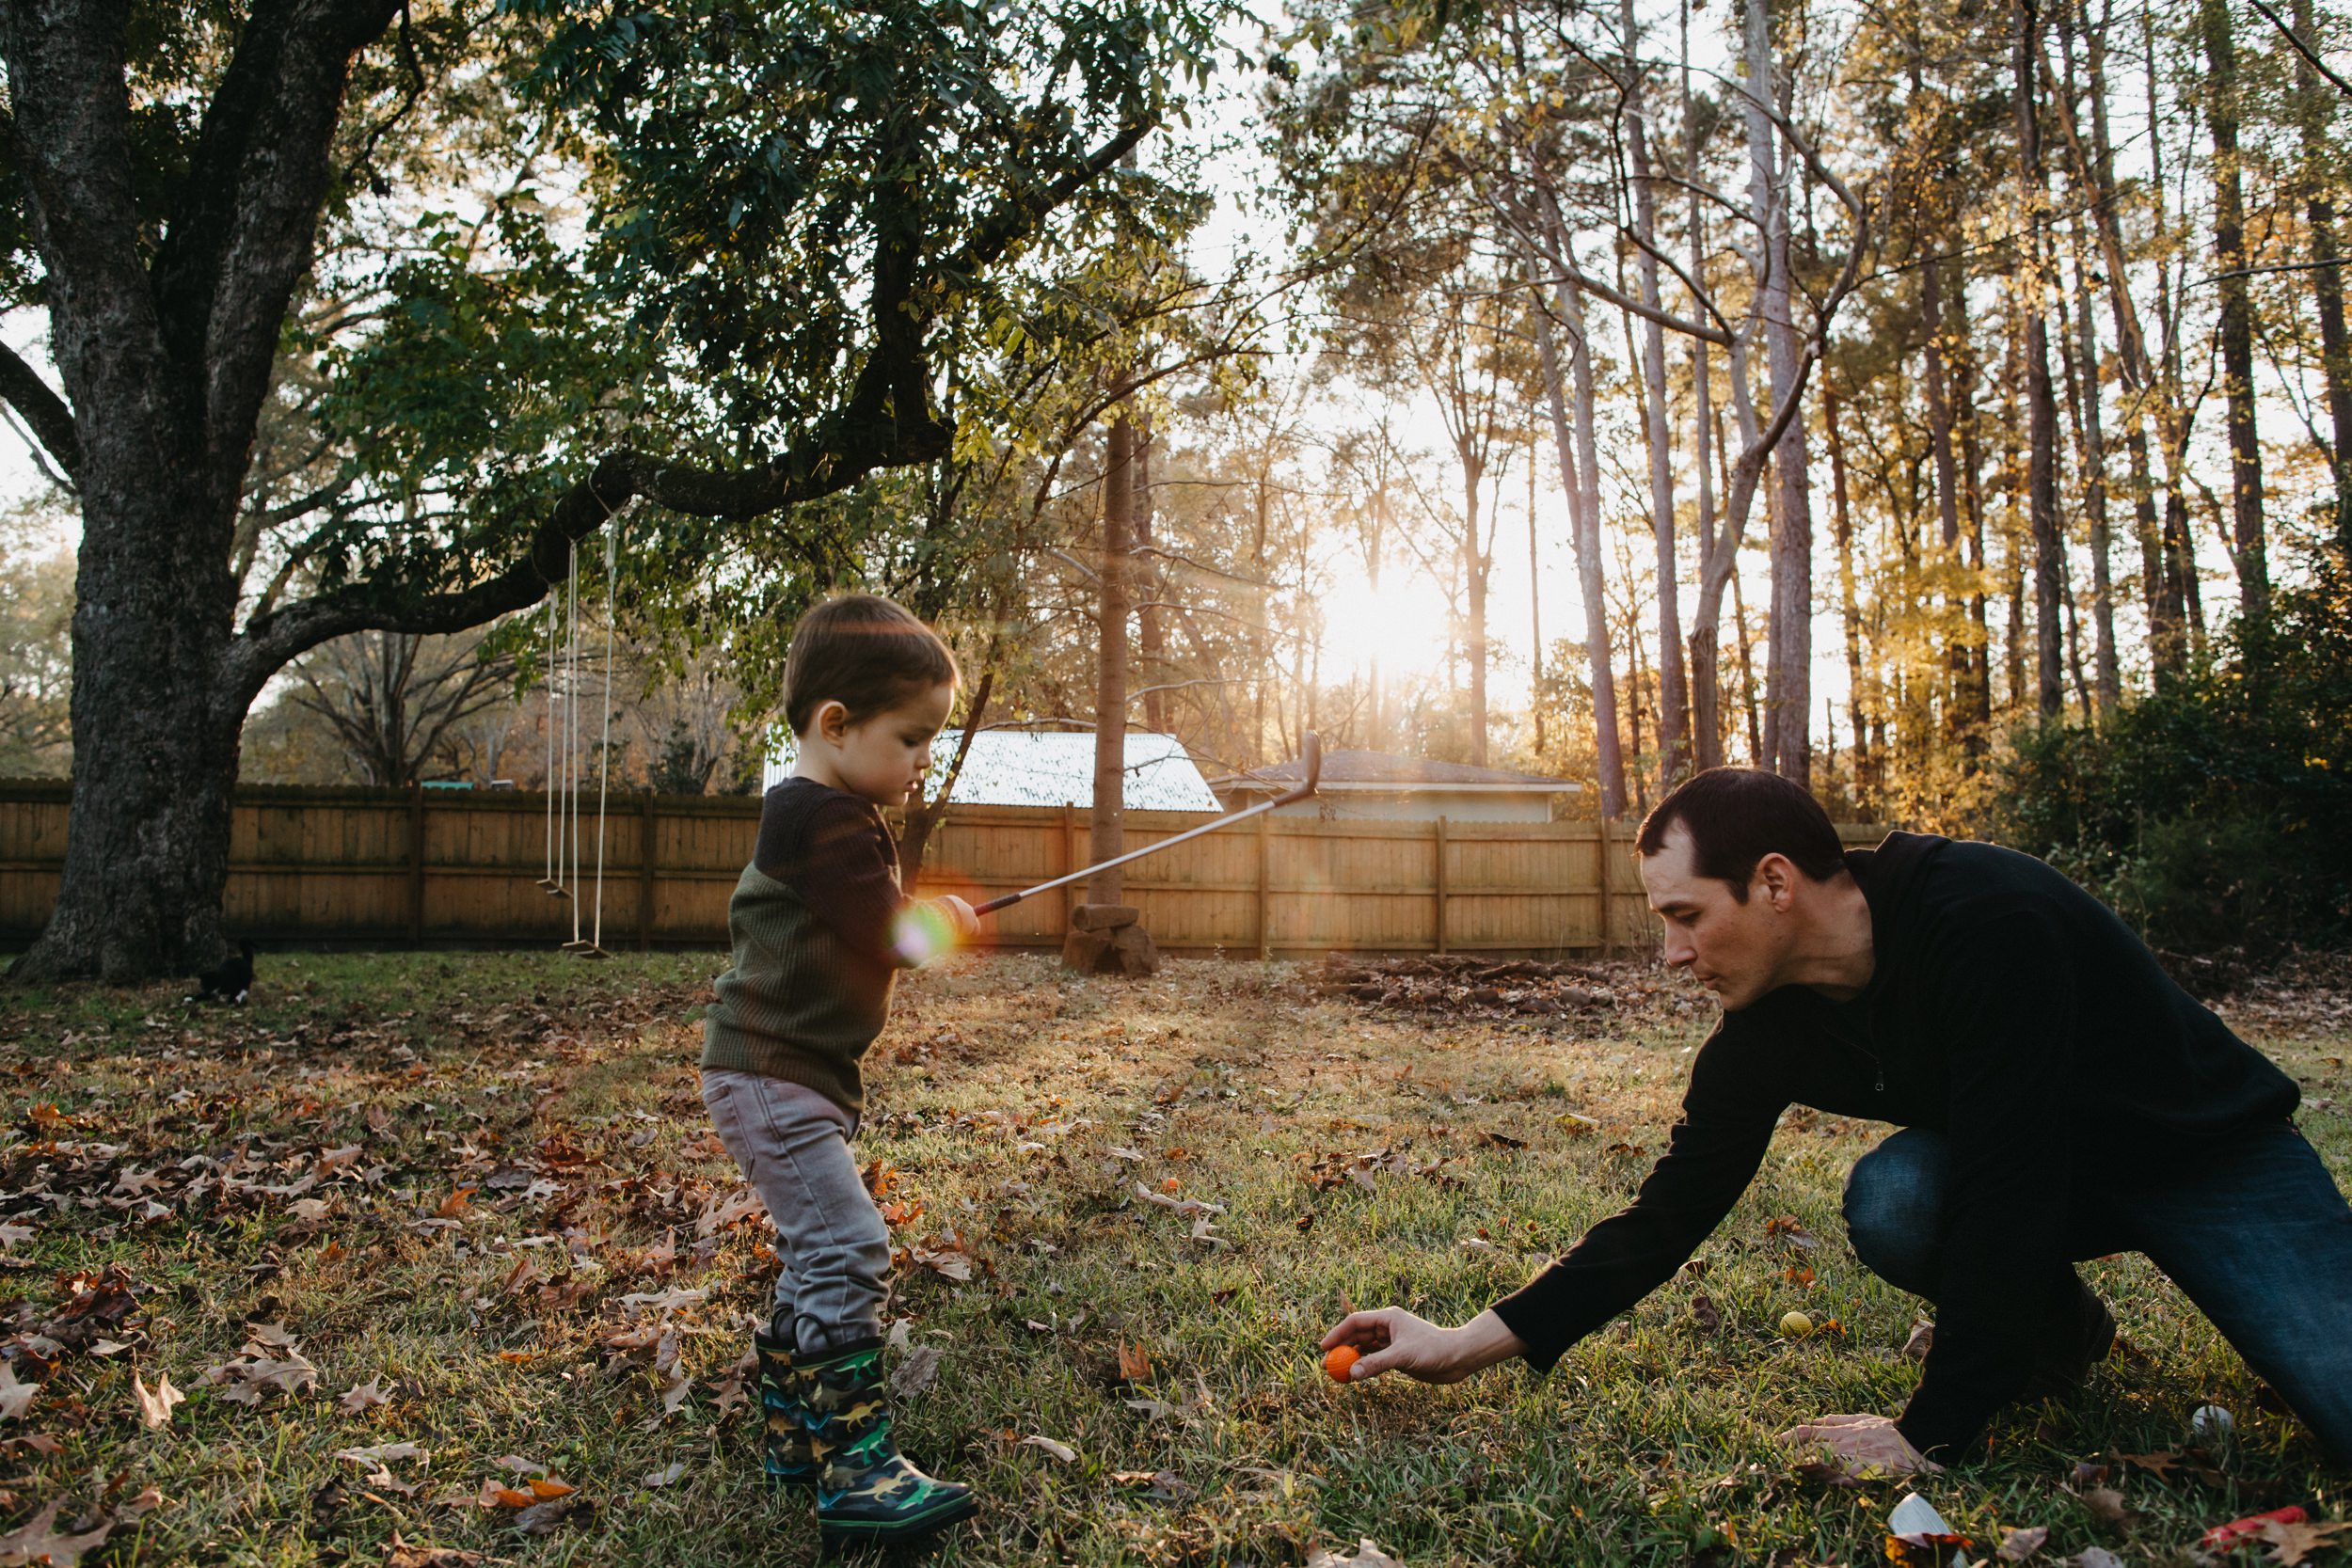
{"points": [[434, 1261], [1462, 986]]}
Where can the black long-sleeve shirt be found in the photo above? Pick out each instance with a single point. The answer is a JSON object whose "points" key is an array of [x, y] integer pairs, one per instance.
{"points": [[2007, 1009], [811, 925]]}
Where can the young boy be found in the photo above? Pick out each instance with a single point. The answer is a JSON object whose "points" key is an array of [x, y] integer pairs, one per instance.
{"points": [[820, 930]]}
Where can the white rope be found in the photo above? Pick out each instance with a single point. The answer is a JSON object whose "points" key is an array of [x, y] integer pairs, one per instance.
{"points": [[555, 625], [571, 735], [604, 743]]}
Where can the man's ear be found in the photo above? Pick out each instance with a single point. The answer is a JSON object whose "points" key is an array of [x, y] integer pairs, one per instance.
{"points": [[1778, 875]]}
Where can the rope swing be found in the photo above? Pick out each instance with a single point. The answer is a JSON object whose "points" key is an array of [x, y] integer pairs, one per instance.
{"points": [[592, 947]]}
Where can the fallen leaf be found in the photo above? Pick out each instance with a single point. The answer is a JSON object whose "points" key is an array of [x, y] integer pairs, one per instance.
{"points": [[1921, 1342], [363, 1395], [669, 1474], [2237, 1529], [1704, 1313], [1365, 1556], [147, 1502], [2291, 1542], [2018, 1544], [1062, 1451], [155, 1404], [455, 1204], [15, 1397], [916, 1372], [38, 1542], [2098, 1556], [399, 1554], [2106, 1504], [1134, 1365], [542, 1519]]}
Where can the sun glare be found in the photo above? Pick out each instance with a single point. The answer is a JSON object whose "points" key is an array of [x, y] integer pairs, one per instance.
{"points": [[1402, 625]]}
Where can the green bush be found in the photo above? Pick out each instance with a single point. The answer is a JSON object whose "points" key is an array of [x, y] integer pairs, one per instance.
{"points": [[2215, 814]]}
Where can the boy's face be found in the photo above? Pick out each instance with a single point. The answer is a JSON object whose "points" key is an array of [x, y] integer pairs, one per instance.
{"points": [[885, 755]]}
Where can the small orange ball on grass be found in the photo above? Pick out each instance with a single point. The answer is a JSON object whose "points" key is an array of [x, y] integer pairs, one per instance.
{"points": [[1339, 1360]]}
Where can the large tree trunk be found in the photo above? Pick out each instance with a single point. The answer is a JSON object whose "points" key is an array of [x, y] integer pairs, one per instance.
{"points": [[165, 372], [1788, 663], [2316, 111], [2247, 547], [1108, 829], [2041, 398], [1707, 719], [1475, 569], [1858, 700], [1674, 724], [2095, 487], [1583, 492], [1151, 584]]}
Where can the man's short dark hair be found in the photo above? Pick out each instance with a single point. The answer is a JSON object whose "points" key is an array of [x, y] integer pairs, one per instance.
{"points": [[865, 652], [1738, 815]]}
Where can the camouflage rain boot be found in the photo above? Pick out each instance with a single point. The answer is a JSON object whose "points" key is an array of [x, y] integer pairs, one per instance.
{"points": [[866, 1490], [786, 1454]]}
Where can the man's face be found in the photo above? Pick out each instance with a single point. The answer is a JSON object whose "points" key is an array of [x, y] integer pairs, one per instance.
{"points": [[1732, 948]]}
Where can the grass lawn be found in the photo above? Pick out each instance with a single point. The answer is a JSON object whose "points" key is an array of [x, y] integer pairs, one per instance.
{"points": [[414, 1229]]}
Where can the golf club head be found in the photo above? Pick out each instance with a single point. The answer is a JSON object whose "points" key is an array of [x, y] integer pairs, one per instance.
{"points": [[1310, 762]]}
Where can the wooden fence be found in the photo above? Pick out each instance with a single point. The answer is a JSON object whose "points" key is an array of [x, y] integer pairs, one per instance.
{"points": [[372, 868]]}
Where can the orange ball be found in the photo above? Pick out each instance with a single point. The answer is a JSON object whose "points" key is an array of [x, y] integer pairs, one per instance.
{"points": [[1339, 1360]]}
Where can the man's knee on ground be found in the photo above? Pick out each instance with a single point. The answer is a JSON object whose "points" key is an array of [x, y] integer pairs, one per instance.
{"points": [[1894, 1205]]}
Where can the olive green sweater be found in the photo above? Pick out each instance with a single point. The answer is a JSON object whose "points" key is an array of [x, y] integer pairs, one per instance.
{"points": [[810, 923]]}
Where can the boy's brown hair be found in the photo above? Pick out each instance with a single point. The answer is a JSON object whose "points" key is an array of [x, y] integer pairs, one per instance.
{"points": [[865, 652]]}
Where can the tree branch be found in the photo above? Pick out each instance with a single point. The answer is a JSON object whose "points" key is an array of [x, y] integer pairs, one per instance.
{"points": [[44, 412]]}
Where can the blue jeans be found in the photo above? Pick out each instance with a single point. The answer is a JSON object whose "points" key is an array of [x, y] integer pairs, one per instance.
{"points": [[2253, 1232]]}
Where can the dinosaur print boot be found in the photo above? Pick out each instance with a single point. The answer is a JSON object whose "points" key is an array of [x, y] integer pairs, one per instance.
{"points": [[788, 1454], [866, 1490]]}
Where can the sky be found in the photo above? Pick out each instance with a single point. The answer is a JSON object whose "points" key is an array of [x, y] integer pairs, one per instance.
{"points": [[1405, 625]]}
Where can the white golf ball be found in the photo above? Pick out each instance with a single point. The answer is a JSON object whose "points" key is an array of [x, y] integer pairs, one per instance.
{"points": [[2209, 1420]]}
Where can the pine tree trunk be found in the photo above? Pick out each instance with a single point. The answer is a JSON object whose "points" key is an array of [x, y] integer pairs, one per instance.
{"points": [[1570, 438], [2316, 107], [1674, 721], [2248, 547], [1474, 571], [1106, 838], [2041, 399], [1849, 609], [1788, 665], [1151, 634]]}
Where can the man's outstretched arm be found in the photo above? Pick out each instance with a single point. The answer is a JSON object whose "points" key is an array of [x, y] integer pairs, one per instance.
{"points": [[1395, 1341]]}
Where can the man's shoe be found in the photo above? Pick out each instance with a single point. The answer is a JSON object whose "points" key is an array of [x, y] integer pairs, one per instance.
{"points": [[788, 1456], [866, 1490], [2077, 1341]]}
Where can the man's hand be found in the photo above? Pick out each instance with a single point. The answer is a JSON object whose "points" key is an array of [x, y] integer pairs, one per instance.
{"points": [[1395, 1341], [1860, 1445]]}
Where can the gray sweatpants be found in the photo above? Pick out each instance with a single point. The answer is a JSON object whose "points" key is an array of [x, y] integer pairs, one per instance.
{"points": [[793, 1145]]}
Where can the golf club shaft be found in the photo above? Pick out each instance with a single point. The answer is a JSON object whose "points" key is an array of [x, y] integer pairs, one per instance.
{"points": [[1312, 757], [1081, 875]]}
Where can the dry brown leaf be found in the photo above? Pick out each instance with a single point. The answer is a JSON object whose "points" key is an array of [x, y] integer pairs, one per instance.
{"points": [[399, 1554], [363, 1397], [15, 1398], [2106, 1504], [2289, 1543], [38, 1542], [455, 1204], [1134, 1365], [916, 1372], [669, 1474], [541, 1518], [156, 1403], [1365, 1556], [2018, 1544], [1062, 1451]]}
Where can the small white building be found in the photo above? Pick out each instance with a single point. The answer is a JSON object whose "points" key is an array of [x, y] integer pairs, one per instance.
{"points": [[1366, 785], [1046, 768]]}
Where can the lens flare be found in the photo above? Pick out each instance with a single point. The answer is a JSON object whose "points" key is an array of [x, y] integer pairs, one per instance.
{"points": [[921, 933]]}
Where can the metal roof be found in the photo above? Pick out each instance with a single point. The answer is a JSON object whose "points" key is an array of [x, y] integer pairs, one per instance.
{"points": [[1047, 768], [1390, 772]]}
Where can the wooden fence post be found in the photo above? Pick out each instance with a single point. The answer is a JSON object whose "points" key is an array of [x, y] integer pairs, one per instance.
{"points": [[416, 864], [647, 826], [1266, 895], [1441, 858]]}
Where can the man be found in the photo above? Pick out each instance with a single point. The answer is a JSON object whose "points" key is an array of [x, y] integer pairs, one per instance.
{"points": [[2058, 1097]]}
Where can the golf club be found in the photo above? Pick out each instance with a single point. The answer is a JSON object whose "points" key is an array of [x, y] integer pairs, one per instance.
{"points": [[1310, 756]]}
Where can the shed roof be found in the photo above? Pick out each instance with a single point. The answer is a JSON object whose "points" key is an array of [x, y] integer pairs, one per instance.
{"points": [[1051, 767]]}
